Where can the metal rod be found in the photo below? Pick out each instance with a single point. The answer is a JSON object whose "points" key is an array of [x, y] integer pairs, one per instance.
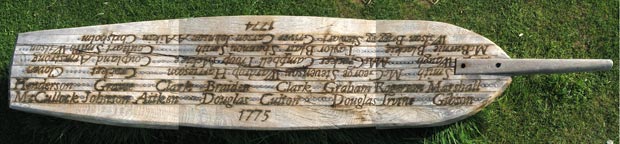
{"points": [[529, 66]]}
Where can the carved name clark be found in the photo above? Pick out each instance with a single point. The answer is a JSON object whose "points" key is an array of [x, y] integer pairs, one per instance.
{"points": [[266, 72]]}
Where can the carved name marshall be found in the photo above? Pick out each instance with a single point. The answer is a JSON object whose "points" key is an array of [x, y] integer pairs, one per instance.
{"points": [[255, 72]]}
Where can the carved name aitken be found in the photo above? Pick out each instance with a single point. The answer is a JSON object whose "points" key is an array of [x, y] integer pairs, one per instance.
{"points": [[255, 72]]}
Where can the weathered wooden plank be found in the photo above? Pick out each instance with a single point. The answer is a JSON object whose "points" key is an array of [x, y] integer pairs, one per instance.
{"points": [[360, 74], [294, 86], [255, 72], [263, 50], [165, 60]]}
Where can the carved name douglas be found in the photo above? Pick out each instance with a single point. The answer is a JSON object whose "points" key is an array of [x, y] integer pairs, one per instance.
{"points": [[256, 72]]}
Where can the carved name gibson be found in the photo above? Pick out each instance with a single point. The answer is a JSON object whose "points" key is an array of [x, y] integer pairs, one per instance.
{"points": [[258, 70]]}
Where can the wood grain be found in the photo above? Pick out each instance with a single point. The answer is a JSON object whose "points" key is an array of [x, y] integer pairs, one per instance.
{"points": [[255, 72]]}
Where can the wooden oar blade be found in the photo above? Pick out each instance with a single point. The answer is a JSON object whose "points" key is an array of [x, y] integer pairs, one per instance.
{"points": [[255, 72]]}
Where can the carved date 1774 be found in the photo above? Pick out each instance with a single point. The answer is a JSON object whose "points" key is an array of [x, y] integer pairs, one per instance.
{"points": [[255, 72]]}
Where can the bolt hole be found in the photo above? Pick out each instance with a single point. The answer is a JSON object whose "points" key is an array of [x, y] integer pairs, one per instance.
{"points": [[498, 65], [463, 65]]}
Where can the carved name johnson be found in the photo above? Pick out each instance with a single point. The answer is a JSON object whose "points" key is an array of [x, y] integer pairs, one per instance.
{"points": [[259, 70]]}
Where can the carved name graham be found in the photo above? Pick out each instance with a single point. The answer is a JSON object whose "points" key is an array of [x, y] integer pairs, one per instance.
{"points": [[255, 72]]}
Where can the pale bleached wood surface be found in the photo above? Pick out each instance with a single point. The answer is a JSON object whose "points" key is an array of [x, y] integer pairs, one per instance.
{"points": [[217, 72]]}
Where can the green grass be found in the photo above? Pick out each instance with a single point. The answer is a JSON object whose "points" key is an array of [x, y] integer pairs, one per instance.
{"points": [[558, 108]]}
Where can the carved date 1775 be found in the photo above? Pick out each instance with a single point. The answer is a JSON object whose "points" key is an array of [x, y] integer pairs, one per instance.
{"points": [[262, 72]]}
